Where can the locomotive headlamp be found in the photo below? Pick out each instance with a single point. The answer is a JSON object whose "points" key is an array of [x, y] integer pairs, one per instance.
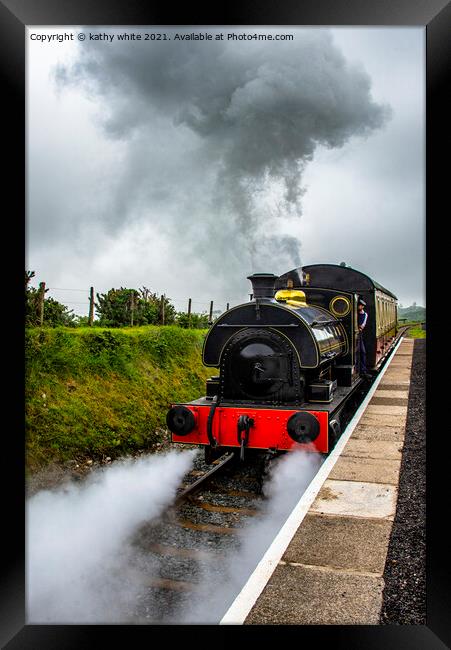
{"points": [[303, 427], [180, 420]]}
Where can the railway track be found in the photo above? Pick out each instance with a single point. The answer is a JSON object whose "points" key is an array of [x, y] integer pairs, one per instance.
{"points": [[182, 552]]}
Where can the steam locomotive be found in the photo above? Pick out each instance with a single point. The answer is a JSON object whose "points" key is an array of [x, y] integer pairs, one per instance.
{"points": [[288, 362]]}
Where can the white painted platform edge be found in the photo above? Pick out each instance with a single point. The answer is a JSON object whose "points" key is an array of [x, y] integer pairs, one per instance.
{"points": [[246, 599]]}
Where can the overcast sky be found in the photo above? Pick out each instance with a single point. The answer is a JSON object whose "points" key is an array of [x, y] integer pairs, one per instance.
{"points": [[185, 165]]}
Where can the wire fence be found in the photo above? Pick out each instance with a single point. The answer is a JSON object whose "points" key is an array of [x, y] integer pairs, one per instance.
{"points": [[185, 305]]}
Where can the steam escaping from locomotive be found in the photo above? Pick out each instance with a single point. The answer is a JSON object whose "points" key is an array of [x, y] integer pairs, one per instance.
{"points": [[222, 581], [219, 134], [78, 552]]}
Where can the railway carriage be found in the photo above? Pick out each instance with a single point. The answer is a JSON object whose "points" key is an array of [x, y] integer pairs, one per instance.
{"points": [[288, 362]]}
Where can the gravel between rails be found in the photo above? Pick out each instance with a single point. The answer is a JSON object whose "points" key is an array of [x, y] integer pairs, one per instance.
{"points": [[404, 596]]}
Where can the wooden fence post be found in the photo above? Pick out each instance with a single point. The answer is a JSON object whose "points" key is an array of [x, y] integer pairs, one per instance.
{"points": [[189, 312], [91, 307], [132, 307], [162, 309], [41, 296], [211, 312]]}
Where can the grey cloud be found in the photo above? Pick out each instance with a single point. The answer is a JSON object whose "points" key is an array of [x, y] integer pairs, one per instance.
{"points": [[210, 125]]}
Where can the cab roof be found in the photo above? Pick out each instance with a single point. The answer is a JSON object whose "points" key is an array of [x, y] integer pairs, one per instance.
{"points": [[332, 276]]}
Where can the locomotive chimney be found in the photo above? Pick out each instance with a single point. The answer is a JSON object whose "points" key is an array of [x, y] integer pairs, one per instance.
{"points": [[263, 285]]}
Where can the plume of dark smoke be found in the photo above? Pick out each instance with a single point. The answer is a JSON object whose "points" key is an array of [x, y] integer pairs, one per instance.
{"points": [[241, 119]]}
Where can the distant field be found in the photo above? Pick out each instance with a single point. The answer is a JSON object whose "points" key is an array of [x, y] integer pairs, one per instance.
{"points": [[416, 333], [415, 330]]}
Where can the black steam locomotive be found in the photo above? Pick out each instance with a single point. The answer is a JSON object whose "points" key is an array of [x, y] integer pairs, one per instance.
{"points": [[288, 362]]}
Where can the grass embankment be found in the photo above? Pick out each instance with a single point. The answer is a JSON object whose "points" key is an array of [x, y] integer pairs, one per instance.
{"points": [[96, 392]]}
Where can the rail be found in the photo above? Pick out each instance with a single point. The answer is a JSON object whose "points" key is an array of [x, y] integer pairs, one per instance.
{"points": [[203, 480]]}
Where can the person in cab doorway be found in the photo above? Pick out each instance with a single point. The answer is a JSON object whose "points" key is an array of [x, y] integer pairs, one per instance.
{"points": [[362, 319]]}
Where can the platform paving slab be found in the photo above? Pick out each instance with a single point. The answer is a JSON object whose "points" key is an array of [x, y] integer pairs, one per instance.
{"points": [[295, 596], [391, 394], [369, 448], [320, 541], [385, 409], [400, 365], [383, 400], [356, 499], [380, 420], [368, 470], [389, 385], [369, 432], [397, 374]]}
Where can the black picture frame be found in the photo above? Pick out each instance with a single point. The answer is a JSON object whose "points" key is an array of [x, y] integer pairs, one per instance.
{"points": [[435, 16]]}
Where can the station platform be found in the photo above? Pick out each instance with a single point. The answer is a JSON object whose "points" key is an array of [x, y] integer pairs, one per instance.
{"points": [[332, 570]]}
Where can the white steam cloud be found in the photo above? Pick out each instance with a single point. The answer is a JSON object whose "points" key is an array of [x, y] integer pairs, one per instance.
{"points": [[78, 551], [290, 476], [82, 564], [218, 137]]}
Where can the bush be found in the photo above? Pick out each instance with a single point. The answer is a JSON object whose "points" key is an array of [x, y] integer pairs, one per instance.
{"points": [[196, 321], [119, 307]]}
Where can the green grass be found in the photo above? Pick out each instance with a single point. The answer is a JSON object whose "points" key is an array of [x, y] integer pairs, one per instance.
{"points": [[94, 392], [415, 331]]}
